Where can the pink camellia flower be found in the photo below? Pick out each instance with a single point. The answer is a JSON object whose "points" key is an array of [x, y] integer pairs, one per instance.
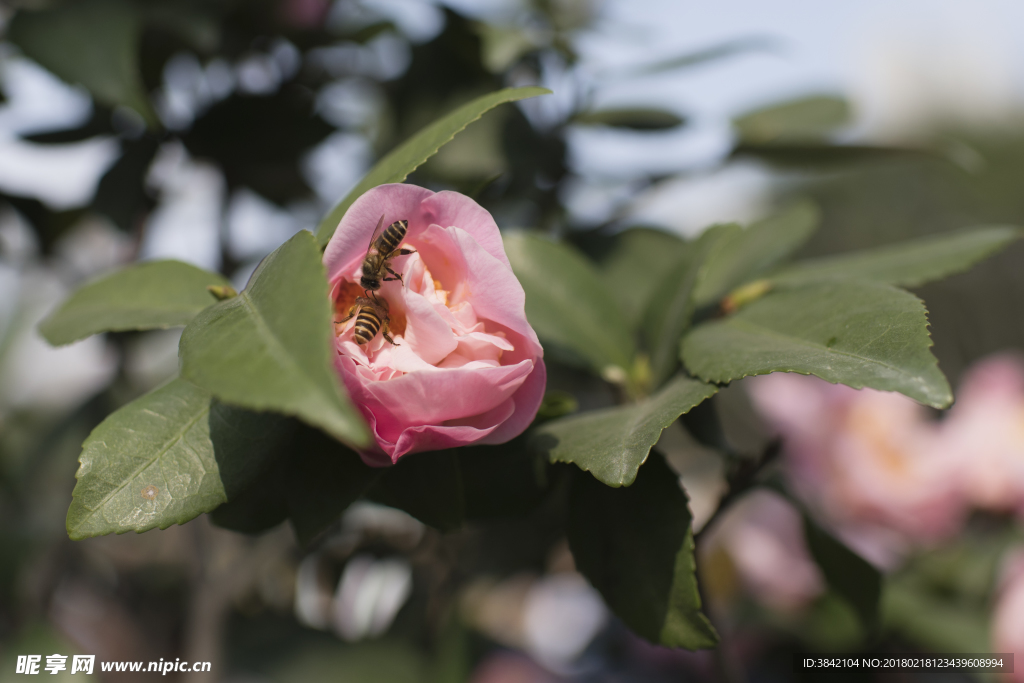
{"points": [[763, 534], [986, 430], [466, 366], [870, 462]]}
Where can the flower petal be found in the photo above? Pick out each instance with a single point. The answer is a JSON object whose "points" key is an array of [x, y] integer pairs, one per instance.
{"points": [[426, 332], [527, 401], [348, 246]]}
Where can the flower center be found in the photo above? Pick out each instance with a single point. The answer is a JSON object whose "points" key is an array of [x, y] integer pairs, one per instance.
{"points": [[347, 294]]}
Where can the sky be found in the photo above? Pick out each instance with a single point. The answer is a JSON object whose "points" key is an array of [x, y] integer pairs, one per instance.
{"points": [[900, 61]]}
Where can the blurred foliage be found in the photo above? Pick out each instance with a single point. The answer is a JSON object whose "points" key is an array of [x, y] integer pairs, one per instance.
{"points": [[511, 515]]}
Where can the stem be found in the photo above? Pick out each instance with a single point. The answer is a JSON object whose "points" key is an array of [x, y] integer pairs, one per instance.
{"points": [[745, 475]]}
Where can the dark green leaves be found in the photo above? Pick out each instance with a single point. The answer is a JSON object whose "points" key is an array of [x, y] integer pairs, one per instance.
{"points": [[636, 118], [311, 482], [907, 264], [854, 333], [165, 459], [743, 255], [270, 347], [639, 260], [671, 306], [611, 444], [847, 574], [323, 478], [568, 303], [92, 42], [407, 157], [636, 547], [445, 488], [151, 295]]}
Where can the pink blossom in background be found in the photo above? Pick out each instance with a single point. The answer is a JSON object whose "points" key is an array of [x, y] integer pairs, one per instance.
{"points": [[985, 430], [304, 14], [871, 462], [763, 535], [467, 367], [1008, 616]]}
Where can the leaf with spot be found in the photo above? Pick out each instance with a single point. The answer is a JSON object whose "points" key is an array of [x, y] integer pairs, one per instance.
{"points": [[854, 333], [166, 458], [567, 302], [635, 545], [907, 264], [271, 347], [146, 296], [411, 154], [613, 443]]}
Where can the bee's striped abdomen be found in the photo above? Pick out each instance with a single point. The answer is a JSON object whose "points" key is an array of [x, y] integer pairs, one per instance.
{"points": [[367, 324], [393, 236]]}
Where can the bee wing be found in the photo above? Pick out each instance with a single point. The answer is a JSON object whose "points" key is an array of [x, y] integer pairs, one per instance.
{"points": [[376, 232]]}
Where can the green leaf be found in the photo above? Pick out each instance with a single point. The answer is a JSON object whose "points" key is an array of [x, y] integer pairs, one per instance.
{"points": [[824, 155], [324, 478], [313, 485], [502, 46], [443, 489], [407, 157], [613, 443], [638, 260], [503, 481], [92, 42], [670, 308], [260, 506], [907, 264], [270, 347], [428, 486], [801, 120], [146, 296], [634, 118], [698, 57], [847, 574], [166, 458], [635, 545], [743, 255], [568, 303], [854, 333]]}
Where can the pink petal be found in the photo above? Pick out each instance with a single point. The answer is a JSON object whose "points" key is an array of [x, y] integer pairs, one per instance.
{"points": [[421, 208], [436, 396], [351, 239], [527, 399], [426, 332]]}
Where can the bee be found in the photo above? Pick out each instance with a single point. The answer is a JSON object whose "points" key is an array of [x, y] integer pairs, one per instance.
{"points": [[383, 248], [371, 316]]}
